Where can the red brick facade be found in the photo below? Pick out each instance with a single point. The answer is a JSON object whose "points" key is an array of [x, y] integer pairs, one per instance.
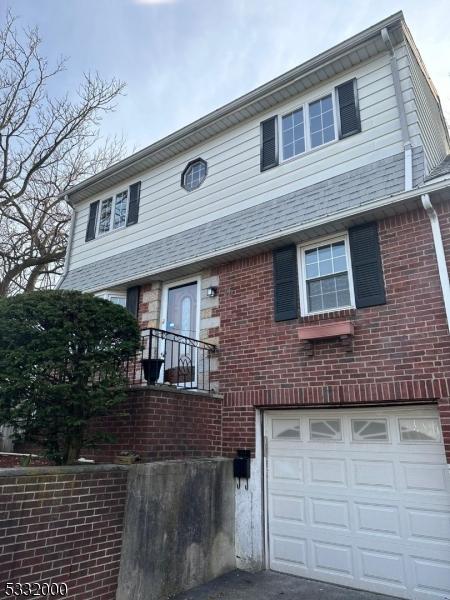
{"points": [[161, 424], [63, 526], [401, 350]]}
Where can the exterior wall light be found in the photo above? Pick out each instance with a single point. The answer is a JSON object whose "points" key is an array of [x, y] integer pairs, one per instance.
{"points": [[211, 292]]}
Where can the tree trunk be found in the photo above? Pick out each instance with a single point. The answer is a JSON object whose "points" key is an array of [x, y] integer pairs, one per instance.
{"points": [[72, 449]]}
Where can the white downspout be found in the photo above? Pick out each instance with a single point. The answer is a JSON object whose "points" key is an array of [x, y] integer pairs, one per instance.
{"points": [[440, 253], [69, 245], [401, 109]]}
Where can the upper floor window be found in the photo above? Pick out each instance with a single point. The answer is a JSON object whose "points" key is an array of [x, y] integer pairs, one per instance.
{"points": [[113, 216], [311, 125], [293, 133], [308, 127], [326, 277], [321, 121], [194, 174], [114, 212]]}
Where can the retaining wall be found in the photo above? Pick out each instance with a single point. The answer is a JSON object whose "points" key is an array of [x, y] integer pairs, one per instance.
{"points": [[179, 527]]}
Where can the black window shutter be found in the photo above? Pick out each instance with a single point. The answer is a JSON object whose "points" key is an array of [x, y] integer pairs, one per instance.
{"points": [[349, 120], [285, 283], [367, 269], [269, 145], [92, 221], [133, 300], [133, 205]]}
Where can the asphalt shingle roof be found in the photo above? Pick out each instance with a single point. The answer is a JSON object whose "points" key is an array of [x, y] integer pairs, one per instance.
{"points": [[442, 169]]}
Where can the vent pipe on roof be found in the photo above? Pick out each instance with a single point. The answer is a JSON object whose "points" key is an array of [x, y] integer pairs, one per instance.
{"points": [[401, 109]]}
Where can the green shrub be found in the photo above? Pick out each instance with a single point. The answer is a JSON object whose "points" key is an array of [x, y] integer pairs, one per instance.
{"points": [[61, 364]]}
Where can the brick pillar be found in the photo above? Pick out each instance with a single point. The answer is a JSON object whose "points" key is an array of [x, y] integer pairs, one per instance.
{"points": [[209, 323], [150, 305]]}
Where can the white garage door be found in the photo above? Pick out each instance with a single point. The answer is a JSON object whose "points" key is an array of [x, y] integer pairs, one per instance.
{"points": [[360, 498]]}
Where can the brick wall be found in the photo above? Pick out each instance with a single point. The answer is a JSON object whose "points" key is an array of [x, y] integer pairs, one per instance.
{"points": [[63, 524], [401, 350], [162, 424]]}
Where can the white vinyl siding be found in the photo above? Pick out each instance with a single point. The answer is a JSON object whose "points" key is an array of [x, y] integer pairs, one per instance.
{"points": [[234, 179], [427, 115]]}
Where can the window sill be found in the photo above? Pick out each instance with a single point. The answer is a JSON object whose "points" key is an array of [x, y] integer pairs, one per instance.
{"points": [[285, 161], [345, 313]]}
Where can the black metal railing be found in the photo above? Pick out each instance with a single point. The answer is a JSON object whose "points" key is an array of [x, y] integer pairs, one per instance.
{"points": [[170, 358]]}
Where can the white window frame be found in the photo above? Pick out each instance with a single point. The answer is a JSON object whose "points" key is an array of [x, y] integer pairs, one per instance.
{"points": [[402, 441], [301, 249], [305, 107], [324, 439], [199, 161], [389, 439], [111, 218], [108, 294]]}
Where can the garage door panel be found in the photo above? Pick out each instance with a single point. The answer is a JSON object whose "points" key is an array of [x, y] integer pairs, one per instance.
{"points": [[327, 472], [288, 508], [289, 550], [333, 558], [382, 567], [375, 516], [288, 467], [425, 477], [330, 513], [378, 519], [431, 525], [374, 474], [432, 577]]}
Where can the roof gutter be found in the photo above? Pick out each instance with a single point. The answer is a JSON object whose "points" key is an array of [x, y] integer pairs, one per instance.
{"points": [[281, 234], [407, 147], [440, 253]]}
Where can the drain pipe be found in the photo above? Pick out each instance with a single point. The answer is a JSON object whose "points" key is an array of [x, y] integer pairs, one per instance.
{"points": [[69, 244], [401, 109], [440, 253]]}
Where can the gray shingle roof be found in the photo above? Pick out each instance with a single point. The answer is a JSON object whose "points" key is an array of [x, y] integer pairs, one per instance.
{"points": [[352, 189], [442, 168]]}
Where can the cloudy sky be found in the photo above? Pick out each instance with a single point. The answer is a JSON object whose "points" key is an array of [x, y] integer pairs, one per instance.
{"points": [[183, 58]]}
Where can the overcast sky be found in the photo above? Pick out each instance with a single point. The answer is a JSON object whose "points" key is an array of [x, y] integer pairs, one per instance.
{"points": [[183, 58]]}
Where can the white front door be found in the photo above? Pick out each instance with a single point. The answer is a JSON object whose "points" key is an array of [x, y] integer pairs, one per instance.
{"points": [[361, 498], [180, 317]]}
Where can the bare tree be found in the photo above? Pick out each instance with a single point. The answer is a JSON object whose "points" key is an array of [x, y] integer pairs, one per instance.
{"points": [[46, 145]]}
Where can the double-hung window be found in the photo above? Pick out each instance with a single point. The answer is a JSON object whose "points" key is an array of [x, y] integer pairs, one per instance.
{"points": [[113, 212], [326, 277], [308, 127]]}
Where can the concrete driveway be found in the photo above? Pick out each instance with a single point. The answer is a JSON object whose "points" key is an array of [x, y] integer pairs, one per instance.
{"points": [[268, 585]]}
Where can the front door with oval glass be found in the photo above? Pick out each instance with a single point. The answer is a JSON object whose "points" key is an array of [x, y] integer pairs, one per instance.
{"points": [[180, 320]]}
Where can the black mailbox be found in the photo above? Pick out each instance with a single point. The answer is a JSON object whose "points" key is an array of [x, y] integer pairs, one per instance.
{"points": [[241, 466]]}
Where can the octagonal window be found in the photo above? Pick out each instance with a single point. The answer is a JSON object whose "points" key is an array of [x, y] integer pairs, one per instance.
{"points": [[194, 175]]}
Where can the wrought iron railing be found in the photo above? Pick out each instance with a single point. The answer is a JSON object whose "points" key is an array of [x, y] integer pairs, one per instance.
{"points": [[170, 358]]}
